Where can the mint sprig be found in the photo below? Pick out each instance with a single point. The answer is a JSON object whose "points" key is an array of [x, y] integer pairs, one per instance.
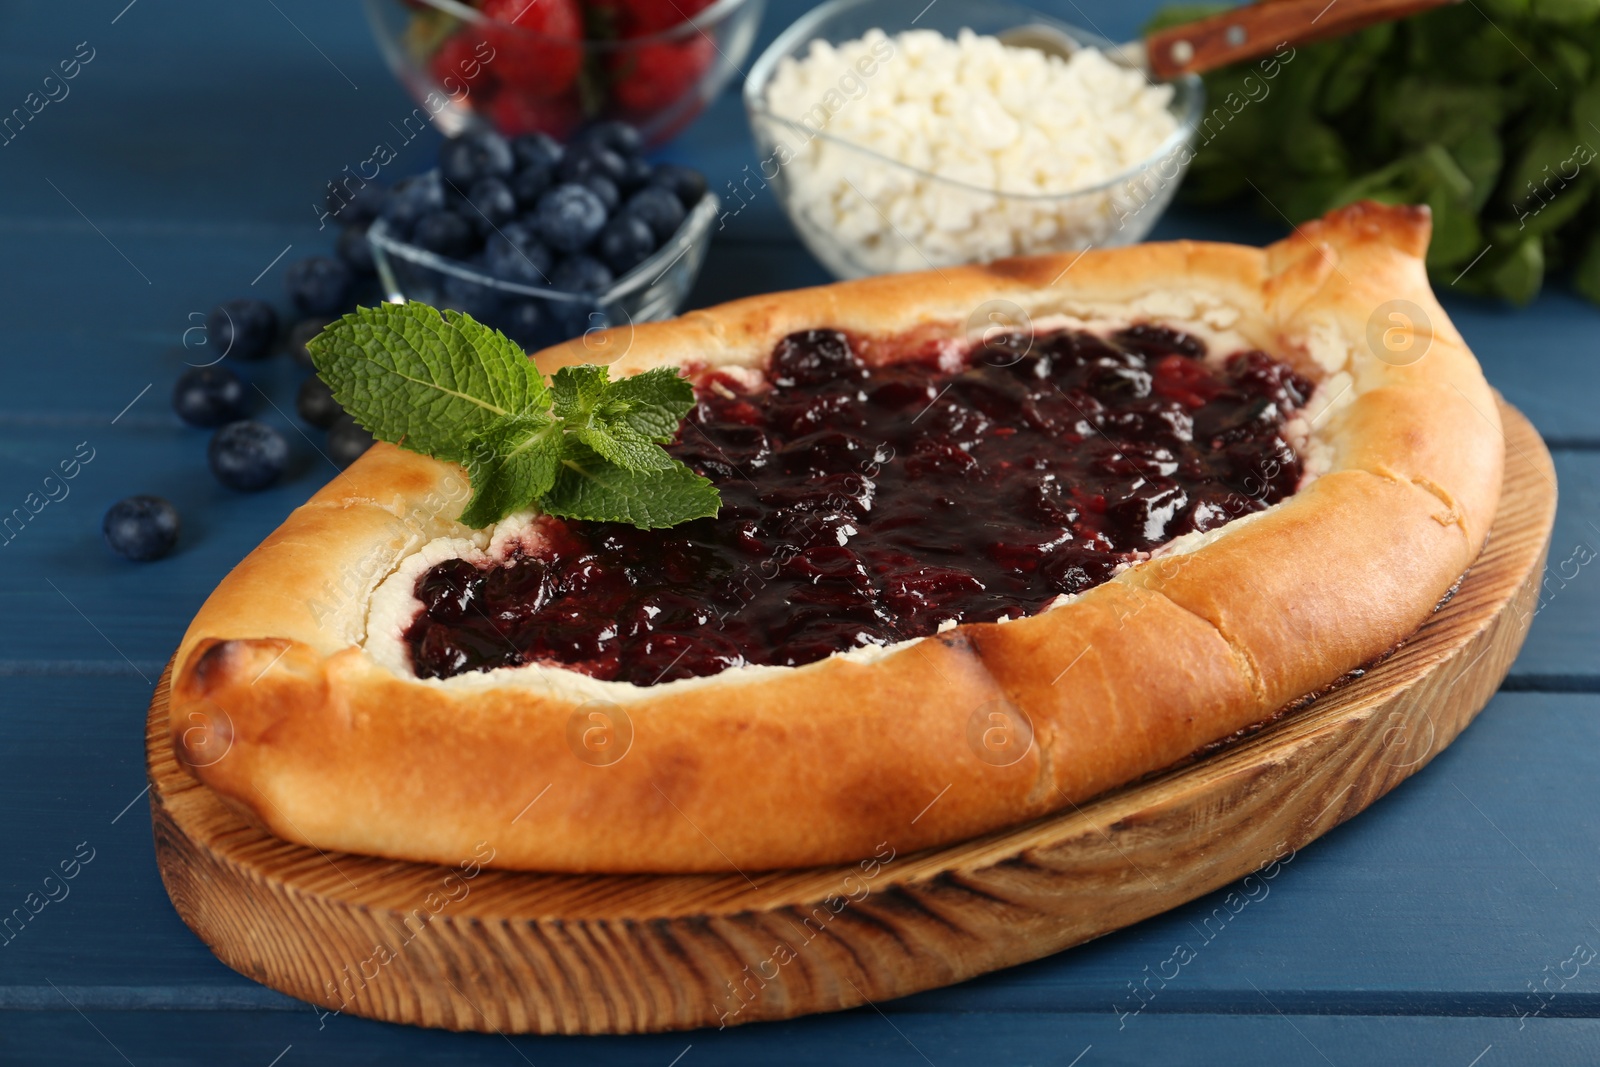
{"points": [[581, 447]]}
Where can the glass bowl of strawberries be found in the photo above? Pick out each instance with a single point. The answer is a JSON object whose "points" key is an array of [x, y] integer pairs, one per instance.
{"points": [[552, 66]]}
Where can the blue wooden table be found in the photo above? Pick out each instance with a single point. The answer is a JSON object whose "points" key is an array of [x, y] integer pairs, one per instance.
{"points": [[1455, 923]]}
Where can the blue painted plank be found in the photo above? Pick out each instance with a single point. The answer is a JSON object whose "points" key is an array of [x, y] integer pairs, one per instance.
{"points": [[1563, 647], [1450, 896], [114, 1039], [1449, 899], [219, 165]]}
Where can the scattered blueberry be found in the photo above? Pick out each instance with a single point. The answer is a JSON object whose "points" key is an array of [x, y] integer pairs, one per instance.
{"points": [[529, 185], [315, 403], [585, 159], [636, 171], [208, 396], [660, 209], [445, 233], [605, 189], [319, 285], [625, 243], [687, 184], [568, 217], [475, 154], [492, 204], [515, 253], [247, 455], [347, 440], [581, 274], [619, 137], [411, 198], [141, 528], [303, 331], [354, 208], [356, 251], [243, 328]]}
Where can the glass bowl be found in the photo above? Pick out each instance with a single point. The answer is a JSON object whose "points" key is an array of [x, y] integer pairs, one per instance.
{"points": [[535, 316], [462, 66], [802, 162]]}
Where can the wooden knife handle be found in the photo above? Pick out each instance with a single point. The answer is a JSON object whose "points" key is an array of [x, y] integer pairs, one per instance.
{"points": [[1255, 29]]}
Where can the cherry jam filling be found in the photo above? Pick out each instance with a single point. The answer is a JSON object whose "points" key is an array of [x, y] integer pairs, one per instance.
{"points": [[867, 505]]}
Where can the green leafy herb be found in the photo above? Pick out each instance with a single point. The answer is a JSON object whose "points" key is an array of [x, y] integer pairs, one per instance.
{"points": [[1488, 113], [581, 447]]}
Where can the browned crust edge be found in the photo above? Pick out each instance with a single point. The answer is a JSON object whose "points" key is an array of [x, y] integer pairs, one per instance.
{"points": [[276, 707]]}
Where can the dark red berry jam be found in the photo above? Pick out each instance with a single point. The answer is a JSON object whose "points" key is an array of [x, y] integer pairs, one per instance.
{"points": [[867, 505]]}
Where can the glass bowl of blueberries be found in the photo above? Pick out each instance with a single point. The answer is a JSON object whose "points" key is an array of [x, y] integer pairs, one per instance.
{"points": [[546, 242]]}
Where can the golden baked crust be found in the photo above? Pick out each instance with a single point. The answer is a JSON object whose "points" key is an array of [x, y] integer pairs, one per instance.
{"points": [[278, 705]]}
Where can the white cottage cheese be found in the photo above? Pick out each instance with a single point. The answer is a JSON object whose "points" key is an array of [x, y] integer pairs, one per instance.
{"points": [[1015, 126]]}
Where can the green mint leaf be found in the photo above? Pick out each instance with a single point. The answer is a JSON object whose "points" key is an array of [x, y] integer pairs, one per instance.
{"points": [[576, 390], [620, 445], [651, 404], [425, 380], [582, 447], [622, 421], [512, 464], [588, 486]]}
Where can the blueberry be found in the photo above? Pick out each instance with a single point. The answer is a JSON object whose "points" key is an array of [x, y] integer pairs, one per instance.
{"points": [[316, 404], [469, 297], [568, 217], [529, 185], [141, 528], [576, 318], [208, 396], [621, 138], [536, 150], [475, 154], [605, 189], [356, 252], [411, 198], [636, 171], [585, 159], [524, 322], [516, 254], [303, 331], [446, 234], [355, 207], [243, 328], [580, 274], [660, 209], [686, 183], [347, 440], [625, 243], [247, 455], [319, 285], [516, 231], [492, 203]]}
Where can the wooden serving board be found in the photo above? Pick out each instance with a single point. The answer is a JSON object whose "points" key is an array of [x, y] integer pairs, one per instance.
{"points": [[476, 949]]}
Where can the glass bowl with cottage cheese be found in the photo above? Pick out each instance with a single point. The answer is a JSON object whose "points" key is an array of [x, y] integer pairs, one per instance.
{"points": [[901, 135]]}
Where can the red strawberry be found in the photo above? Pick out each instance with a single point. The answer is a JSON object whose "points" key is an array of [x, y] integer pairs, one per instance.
{"points": [[538, 44], [459, 62], [654, 76], [640, 18], [514, 114]]}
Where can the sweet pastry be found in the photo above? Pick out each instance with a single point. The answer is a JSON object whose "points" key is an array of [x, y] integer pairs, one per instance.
{"points": [[961, 577]]}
